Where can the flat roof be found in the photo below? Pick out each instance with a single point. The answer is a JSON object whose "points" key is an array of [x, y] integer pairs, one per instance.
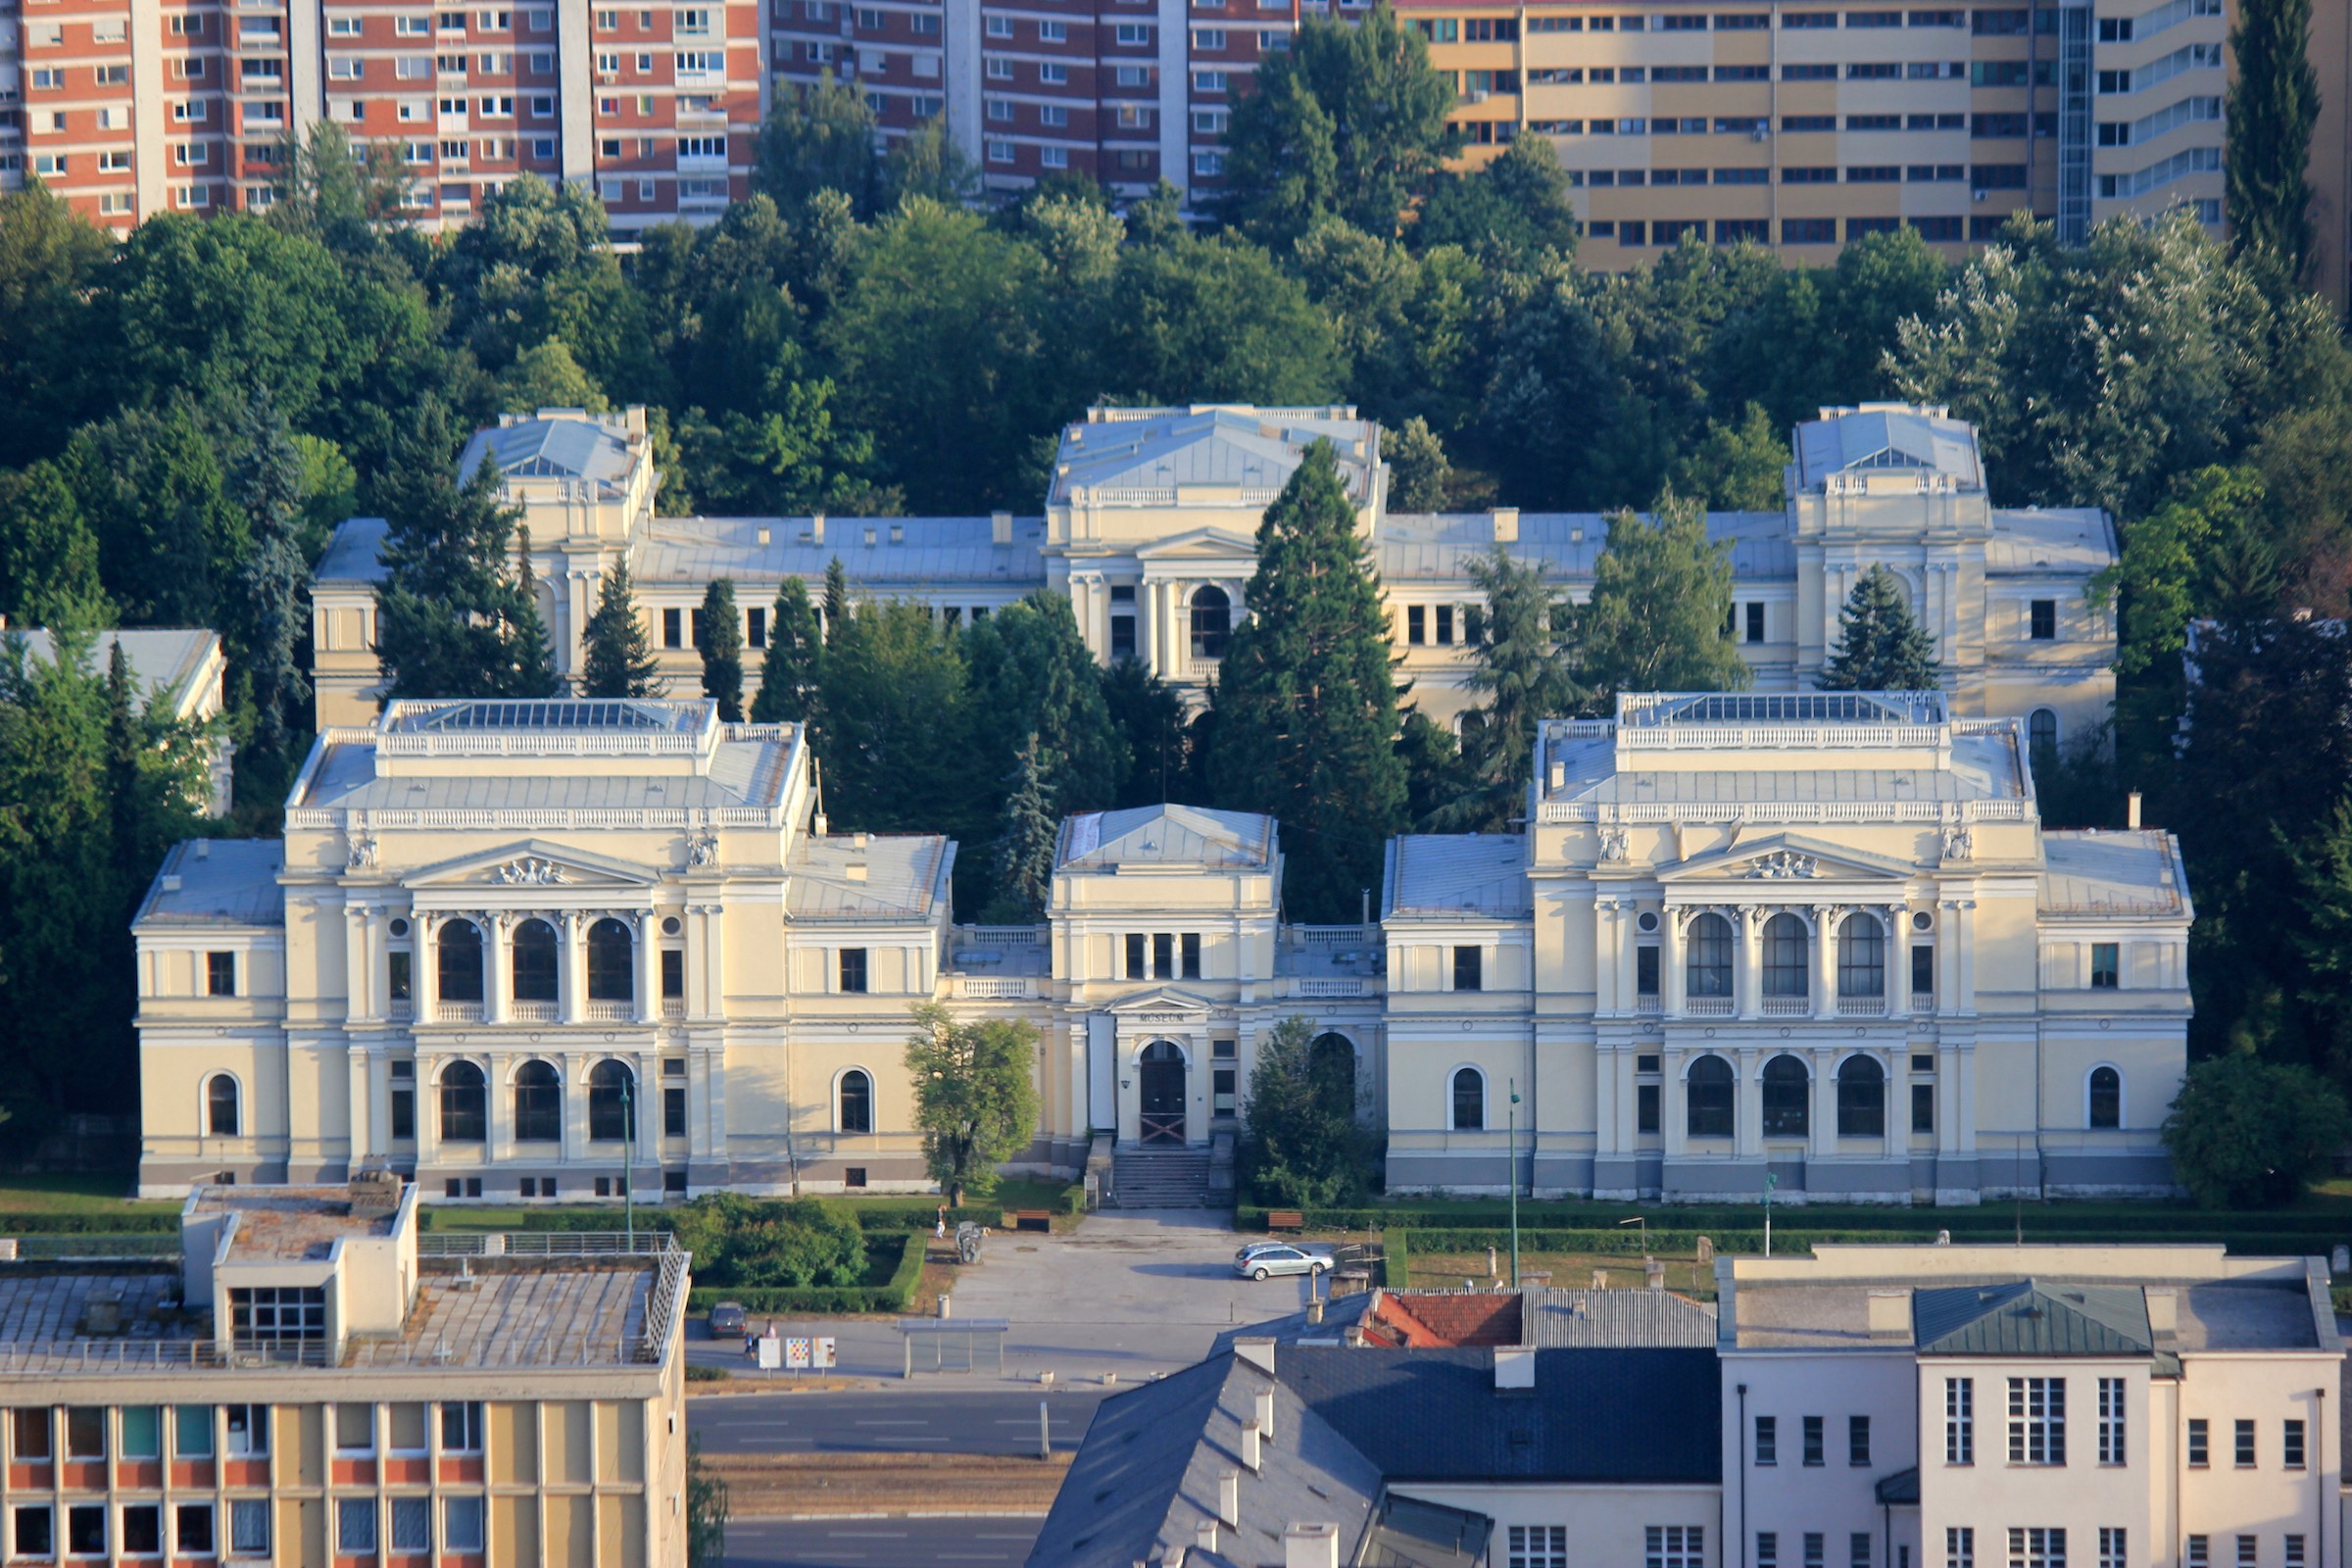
{"points": [[217, 882], [289, 1223]]}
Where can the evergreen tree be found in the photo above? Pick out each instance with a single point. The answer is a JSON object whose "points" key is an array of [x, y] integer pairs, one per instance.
{"points": [[48, 556], [1025, 846], [1880, 647], [1417, 467], [531, 667], [1661, 597], [1150, 714], [2273, 104], [793, 668], [1436, 779], [817, 139], [897, 753], [1305, 700], [125, 787], [172, 543], [1030, 671], [1524, 676], [837, 599], [719, 628], [617, 656], [1738, 467], [272, 612]]}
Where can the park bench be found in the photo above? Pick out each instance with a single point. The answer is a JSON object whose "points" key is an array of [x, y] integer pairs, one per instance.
{"points": [[1286, 1220]]}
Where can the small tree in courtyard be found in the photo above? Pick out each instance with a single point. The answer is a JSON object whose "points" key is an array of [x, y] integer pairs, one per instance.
{"points": [[1880, 647], [618, 658], [720, 633], [975, 1095], [1308, 1142], [2246, 1133]]}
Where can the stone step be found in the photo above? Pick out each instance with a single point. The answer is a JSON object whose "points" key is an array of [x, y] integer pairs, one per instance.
{"points": [[1161, 1178]]}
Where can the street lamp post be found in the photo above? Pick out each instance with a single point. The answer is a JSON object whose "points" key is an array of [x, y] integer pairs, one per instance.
{"points": [[1511, 1125], [1770, 1182], [628, 1159]]}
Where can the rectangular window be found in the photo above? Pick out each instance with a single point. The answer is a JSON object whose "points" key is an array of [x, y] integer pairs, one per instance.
{"points": [[2198, 1454], [192, 1432], [2247, 1554], [1645, 971], [2111, 1548], [1467, 962], [85, 1431], [461, 1524], [1814, 1443], [142, 1434], [1646, 1108], [249, 1527], [673, 973], [2290, 1448], [673, 1112], [852, 969], [1768, 1439], [1857, 1440], [1539, 1547], [1857, 1550], [1815, 1548], [220, 974], [2111, 1421], [1163, 956], [2199, 1553], [2243, 1445], [461, 1426], [1755, 623], [1923, 969], [1673, 1546], [85, 1529], [754, 621], [1416, 627], [1191, 945], [1768, 1549], [2043, 613], [355, 1429], [1959, 1546], [673, 629], [2036, 1547], [192, 1530], [276, 1313], [1923, 1107], [1445, 625], [28, 1433], [1959, 1420], [412, 1523], [2037, 1423], [248, 1438], [355, 1527], [2294, 1552], [2106, 968], [1135, 956]]}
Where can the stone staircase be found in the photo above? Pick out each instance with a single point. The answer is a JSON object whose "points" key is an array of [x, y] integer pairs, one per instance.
{"points": [[1161, 1178]]}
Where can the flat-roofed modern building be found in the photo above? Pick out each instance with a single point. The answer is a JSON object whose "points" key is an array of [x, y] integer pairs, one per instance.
{"points": [[309, 1383]]}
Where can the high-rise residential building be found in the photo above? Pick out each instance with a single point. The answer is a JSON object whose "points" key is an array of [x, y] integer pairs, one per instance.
{"points": [[131, 110]]}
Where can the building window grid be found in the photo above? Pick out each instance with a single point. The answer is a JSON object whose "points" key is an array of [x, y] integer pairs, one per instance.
{"points": [[1959, 1546], [1673, 1546], [2243, 1445], [2291, 1446], [2036, 1422], [1768, 1439], [1539, 1547], [1959, 1420], [2199, 1450], [2112, 1552], [1813, 1440], [2111, 1422], [2037, 1545]]}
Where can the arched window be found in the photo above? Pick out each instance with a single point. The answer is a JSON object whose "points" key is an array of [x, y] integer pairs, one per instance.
{"points": [[2041, 737], [1469, 1101], [1708, 1090], [221, 1106], [856, 1102], [1787, 1088], [1212, 621], [611, 963], [2106, 1098], [461, 974], [1861, 1099], [1331, 1073], [1710, 965], [464, 1103], [611, 1103], [1861, 957], [534, 953], [1786, 956], [538, 1103]]}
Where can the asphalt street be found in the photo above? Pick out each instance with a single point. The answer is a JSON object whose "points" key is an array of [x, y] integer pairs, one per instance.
{"points": [[974, 1542], [923, 1420]]}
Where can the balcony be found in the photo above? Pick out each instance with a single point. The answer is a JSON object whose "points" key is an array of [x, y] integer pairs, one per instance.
{"points": [[458, 1012], [1309, 987], [1922, 1003], [1788, 1007], [673, 1006], [535, 1013], [995, 987], [1706, 1006], [611, 1013], [1649, 1004], [1861, 1007]]}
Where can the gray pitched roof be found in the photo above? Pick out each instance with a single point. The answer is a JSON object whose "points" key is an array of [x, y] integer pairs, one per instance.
{"points": [[1483, 874], [162, 659], [1887, 436], [218, 882], [882, 556], [550, 449], [356, 552], [2104, 872], [1161, 448], [1441, 547], [905, 876], [2028, 1317], [1167, 835]]}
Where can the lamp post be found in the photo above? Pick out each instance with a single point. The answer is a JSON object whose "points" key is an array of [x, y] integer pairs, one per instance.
{"points": [[1511, 1126], [628, 1159], [1770, 1182]]}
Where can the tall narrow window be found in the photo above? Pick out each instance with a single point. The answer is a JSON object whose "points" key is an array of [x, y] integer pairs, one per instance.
{"points": [[2294, 1552], [2043, 620], [2111, 1421], [856, 1102], [1135, 956], [1768, 1439], [1468, 969], [1163, 956], [534, 961], [1861, 957], [1923, 969], [1857, 1441], [611, 963], [1785, 959], [2198, 1553], [1708, 971], [1709, 1091], [220, 974], [463, 1107], [1787, 1092], [611, 1103], [2245, 1444], [2248, 1553], [1861, 1099], [221, 1106], [2199, 1454], [1189, 946], [2290, 1450], [1959, 1420], [1212, 621], [1813, 1440], [538, 1103], [1645, 971], [1469, 1101], [852, 969], [2106, 965], [2038, 1420], [1768, 1549], [1857, 1550], [460, 946], [1959, 1546], [2112, 1552]]}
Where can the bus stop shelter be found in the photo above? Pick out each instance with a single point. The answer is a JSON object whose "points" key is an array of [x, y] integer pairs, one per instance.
{"points": [[952, 1343]]}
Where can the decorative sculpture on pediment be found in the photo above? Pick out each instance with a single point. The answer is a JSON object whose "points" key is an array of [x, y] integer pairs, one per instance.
{"points": [[532, 871], [1959, 842], [1615, 845], [701, 849], [1784, 864], [363, 852]]}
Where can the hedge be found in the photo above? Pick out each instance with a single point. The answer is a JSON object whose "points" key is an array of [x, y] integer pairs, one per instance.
{"points": [[2276, 1230], [96, 1223], [892, 1296]]}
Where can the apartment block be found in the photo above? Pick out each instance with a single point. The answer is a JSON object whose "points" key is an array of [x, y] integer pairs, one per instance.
{"points": [[315, 1382], [130, 109]]}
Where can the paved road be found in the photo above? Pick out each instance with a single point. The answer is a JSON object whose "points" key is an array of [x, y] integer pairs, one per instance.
{"points": [[977, 1542], [924, 1419]]}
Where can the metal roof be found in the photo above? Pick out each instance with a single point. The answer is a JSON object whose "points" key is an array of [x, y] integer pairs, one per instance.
{"points": [[2027, 1317], [1159, 450], [1888, 436], [218, 882], [880, 554], [1457, 873], [577, 448], [1167, 835], [2073, 541], [354, 553], [867, 876], [1441, 547], [2103, 871], [163, 661], [1790, 707], [745, 774]]}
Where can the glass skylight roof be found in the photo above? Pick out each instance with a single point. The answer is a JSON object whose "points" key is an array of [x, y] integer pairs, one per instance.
{"points": [[1796, 707], [555, 714]]}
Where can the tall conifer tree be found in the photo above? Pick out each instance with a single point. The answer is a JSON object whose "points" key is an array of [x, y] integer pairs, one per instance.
{"points": [[793, 663], [272, 588], [530, 657], [1661, 597], [1025, 844], [2273, 104], [1306, 703], [720, 633], [617, 656], [837, 598], [1524, 675], [1880, 647]]}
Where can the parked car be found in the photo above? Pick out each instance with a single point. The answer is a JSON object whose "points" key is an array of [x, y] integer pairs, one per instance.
{"points": [[727, 1318], [1260, 1259]]}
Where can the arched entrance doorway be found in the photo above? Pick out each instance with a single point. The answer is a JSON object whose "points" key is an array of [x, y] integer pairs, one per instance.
{"points": [[1159, 1076]]}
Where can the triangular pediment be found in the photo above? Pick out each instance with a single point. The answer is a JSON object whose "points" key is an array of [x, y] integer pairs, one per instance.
{"points": [[1199, 544], [533, 862], [1789, 858], [1161, 999]]}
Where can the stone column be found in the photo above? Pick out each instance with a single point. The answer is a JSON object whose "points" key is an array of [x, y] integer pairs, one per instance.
{"points": [[1747, 1113], [1823, 978], [1628, 939], [429, 1103], [360, 1003], [572, 966], [648, 966], [575, 1067], [706, 938], [497, 962], [1965, 915], [1607, 996], [497, 1110]]}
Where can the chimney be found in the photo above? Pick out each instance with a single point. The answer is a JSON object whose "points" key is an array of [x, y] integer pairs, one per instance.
{"points": [[2132, 810], [204, 849], [1558, 774], [1252, 1459], [2164, 1312], [1514, 1367], [816, 528], [1310, 1546], [1265, 1413], [1507, 524], [1204, 1537], [1314, 1311], [1000, 532], [1257, 1349], [764, 536], [1890, 1314], [1229, 1499]]}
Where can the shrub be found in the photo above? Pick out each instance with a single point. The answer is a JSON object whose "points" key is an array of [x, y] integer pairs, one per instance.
{"points": [[2246, 1133], [748, 1242], [891, 1291]]}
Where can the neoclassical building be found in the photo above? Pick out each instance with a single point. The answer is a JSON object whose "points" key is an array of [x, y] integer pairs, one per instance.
{"points": [[537, 950], [1150, 526]]}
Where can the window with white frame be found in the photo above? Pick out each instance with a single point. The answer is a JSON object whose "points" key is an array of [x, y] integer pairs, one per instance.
{"points": [[1959, 1420], [2036, 1547], [1673, 1546], [1959, 1546], [2037, 1423], [1539, 1547], [2111, 1423], [2111, 1546]]}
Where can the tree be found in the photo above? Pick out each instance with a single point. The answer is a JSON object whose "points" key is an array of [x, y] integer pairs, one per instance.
{"points": [[50, 262], [530, 670], [2274, 106], [705, 1509], [1030, 671], [2323, 937], [1736, 467], [1308, 1144], [2250, 1134], [897, 716], [837, 599], [1150, 716], [1514, 205], [1349, 121], [929, 162], [718, 632], [1025, 845], [616, 657], [1417, 467], [337, 193], [171, 545], [1661, 597], [48, 557], [1306, 702], [549, 377], [975, 1095], [1436, 778], [1524, 676], [1880, 647], [791, 669], [817, 139], [271, 614], [1214, 320]]}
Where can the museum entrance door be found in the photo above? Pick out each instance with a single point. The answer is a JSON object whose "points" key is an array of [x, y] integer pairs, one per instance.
{"points": [[1160, 1075]]}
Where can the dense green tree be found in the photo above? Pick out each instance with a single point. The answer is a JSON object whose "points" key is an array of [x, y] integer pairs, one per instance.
{"points": [[1417, 467], [2274, 106], [1150, 716], [791, 670], [530, 670], [50, 262], [270, 613], [1304, 1115], [1517, 204], [1661, 597], [1736, 467], [2244, 1133], [617, 655], [2322, 938], [1410, 326], [975, 1098], [898, 719], [1214, 320], [719, 633], [1349, 121], [820, 138], [335, 192], [549, 377], [707, 1509], [928, 162], [1030, 673], [170, 542], [1305, 700], [1880, 646], [837, 599], [1436, 778], [1029, 826], [1522, 676], [790, 454], [48, 556]]}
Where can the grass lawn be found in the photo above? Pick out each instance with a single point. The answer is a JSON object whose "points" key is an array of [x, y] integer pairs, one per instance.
{"points": [[77, 1192], [1012, 1193], [1569, 1270]]}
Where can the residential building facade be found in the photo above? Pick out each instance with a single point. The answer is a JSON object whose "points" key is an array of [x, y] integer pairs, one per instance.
{"points": [[309, 1383]]}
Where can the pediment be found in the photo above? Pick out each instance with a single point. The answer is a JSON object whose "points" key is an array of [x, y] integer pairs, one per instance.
{"points": [[1161, 999], [1198, 544], [1789, 857], [533, 862]]}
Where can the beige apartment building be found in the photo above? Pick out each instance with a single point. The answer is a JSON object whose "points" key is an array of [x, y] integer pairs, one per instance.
{"points": [[312, 1381]]}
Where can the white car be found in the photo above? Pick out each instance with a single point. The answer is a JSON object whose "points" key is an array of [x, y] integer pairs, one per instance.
{"points": [[1261, 1259]]}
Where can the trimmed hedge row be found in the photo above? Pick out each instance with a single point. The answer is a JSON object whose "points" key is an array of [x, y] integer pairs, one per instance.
{"points": [[2043, 1222], [104, 1223], [893, 1295]]}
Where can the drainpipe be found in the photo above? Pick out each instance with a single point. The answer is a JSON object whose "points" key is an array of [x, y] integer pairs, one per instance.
{"points": [[2319, 1471], [1739, 1447]]}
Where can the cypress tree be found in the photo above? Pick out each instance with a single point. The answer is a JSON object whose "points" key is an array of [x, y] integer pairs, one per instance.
{"points": [[1307, 704], [837, 599], [2273, 104], [1661, 597], [617, 660], [273, 582], [1880, 647], [720, 633], [448, 606], [1025, 846], [1524, 675], [529, 665], [794, 663]]}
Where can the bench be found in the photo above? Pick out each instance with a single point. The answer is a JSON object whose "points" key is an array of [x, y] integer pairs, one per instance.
{"points": [[1028, 1219], [1286, 1220]]}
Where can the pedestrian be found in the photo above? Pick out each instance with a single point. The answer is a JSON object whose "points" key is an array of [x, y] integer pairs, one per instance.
{"points": [[942, 1232]]}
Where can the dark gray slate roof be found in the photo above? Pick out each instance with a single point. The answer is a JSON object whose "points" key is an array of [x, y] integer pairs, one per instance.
{"points": [[1407, 1532], [2028, 1317]]}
